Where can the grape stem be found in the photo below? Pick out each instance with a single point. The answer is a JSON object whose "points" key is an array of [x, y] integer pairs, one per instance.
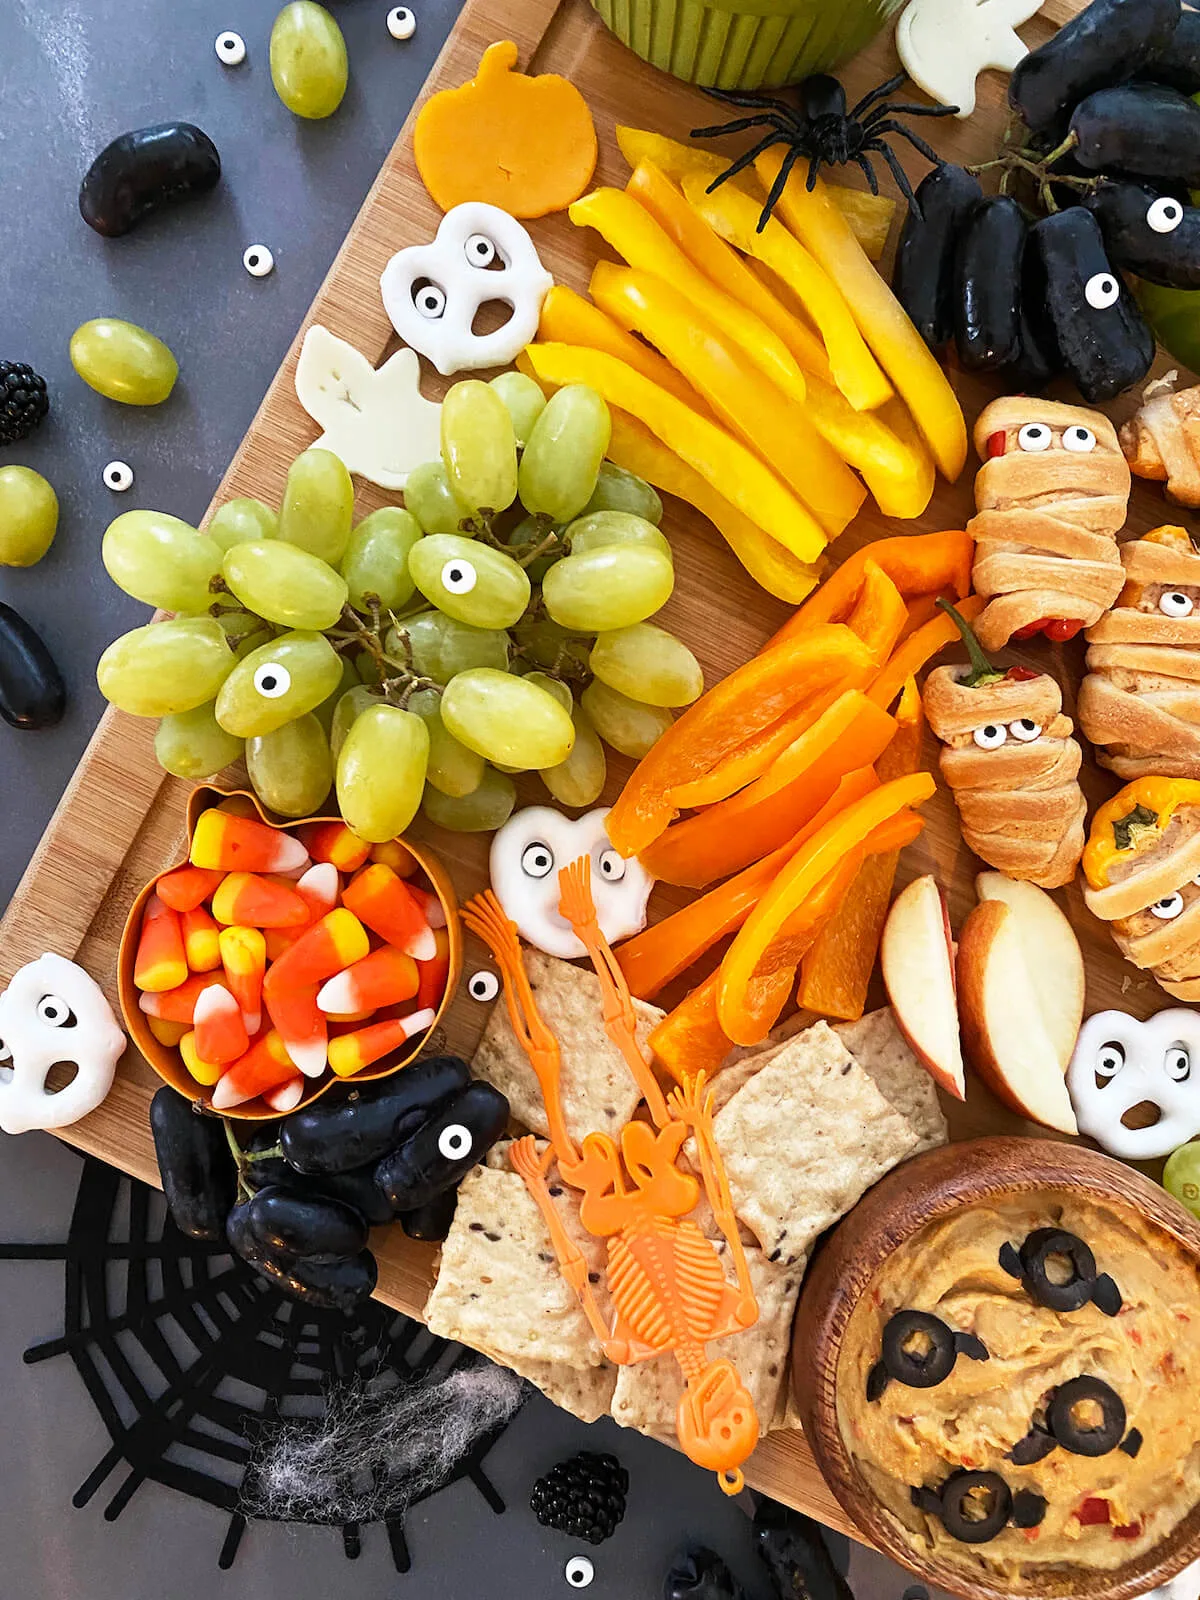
{"points": [[241, 1160], [1015, 158], [401, 682], [533, 551]]}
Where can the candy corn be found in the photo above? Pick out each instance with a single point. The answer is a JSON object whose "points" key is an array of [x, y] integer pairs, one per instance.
{"points": [[204, 1072], [243, 953], [229, 843], [200, 940], [300, 1025], [351, 1052], [334, 843], [435, 914], [395, 855], [432, 974], [266, 1065], [257, 902], [161, 961], [168, 1033], [319, 888], [186, 887], [389, 908], [178, 1005], [286, 1097], [328, 947], [380, 979], [220, 1029]]}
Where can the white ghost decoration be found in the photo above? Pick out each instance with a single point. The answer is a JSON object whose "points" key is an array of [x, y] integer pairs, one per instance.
{"points": [[53, 1012], [432, 292], [946, 44], [1120, 1063], [530, 851], [377, 421]]}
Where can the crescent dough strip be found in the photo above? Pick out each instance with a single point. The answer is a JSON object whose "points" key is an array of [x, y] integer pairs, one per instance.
{"points": [[1162, 442]]}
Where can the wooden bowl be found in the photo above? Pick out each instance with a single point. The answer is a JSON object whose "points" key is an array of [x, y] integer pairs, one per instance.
{"points": [[166, 1060], [916, 1193]]}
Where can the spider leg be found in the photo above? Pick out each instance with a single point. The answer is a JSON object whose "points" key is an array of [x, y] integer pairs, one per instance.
{"points": [[894, 109], [738, 97], [777, 188], [914, 139], [744, 160], [740, 126], [813, 168], [898, 172], [869, 170], [880, 92]]}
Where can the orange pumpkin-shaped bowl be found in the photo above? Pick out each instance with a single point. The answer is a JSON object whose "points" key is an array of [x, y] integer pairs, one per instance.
{"points": [[166, 1060]]}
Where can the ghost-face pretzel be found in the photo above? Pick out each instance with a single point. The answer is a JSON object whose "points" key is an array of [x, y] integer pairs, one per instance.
{"points": [[1140, 702], [1052, 495], [53, 1012], [1120, 1063]]}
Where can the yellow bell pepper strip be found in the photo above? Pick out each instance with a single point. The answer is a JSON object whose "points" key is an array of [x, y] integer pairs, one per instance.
{"points": [[759, 753], [734, 216], [753, 696], [879, 613], [724, 461], [721, 262], [773, 426], [690, 1039], [633, 233], [918, 650], [814, 218], [896, 474], [726, 837], [815, 859], [567, 318], [917, 563], [835, 974]]}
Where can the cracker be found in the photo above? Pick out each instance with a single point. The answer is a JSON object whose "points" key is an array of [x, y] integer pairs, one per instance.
{"points": [[876, 1043], [598, 1091], [805, 1139], [586, 1392]]}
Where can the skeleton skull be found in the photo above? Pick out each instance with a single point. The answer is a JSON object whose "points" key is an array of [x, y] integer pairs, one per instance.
{"points": [[53, 1012], [1120, 1063]]}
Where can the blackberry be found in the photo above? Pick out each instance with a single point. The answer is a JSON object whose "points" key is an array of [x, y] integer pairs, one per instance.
{"points": [[23, 401], [584, 1497]]}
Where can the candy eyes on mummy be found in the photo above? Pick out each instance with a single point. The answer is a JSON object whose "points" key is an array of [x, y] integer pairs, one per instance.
{"points": [[272, 681], [1035, 437], [1177, 1062], [993, 734], [1171, 905], [1175, 604], [1164, 215], [430, 299]]}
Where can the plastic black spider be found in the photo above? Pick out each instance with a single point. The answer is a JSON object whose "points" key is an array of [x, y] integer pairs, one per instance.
{"points": [[825, 132]]}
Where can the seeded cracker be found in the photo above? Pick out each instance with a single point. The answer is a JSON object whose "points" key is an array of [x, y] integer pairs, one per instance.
{"points": [[876, 1043]]}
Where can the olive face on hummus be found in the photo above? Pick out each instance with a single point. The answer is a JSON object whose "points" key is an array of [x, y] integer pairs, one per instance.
{"points": [[1061, 1427]]}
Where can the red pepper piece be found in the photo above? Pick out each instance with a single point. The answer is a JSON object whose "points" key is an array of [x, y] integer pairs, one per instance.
{"points": [[1060, 630], [996, 445], [1092, 1512], [1021, 675]]}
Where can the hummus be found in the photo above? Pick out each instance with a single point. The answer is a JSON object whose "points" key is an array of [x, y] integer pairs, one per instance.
{"points": [[1101, 1511]]}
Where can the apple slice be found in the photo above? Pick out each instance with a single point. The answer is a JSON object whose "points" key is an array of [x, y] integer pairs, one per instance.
{"points": [[1057, 971], [916, 955], [1004, 1026]]}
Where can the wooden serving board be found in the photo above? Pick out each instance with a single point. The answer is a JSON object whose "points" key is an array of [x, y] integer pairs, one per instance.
{"points": [[121, 819]]}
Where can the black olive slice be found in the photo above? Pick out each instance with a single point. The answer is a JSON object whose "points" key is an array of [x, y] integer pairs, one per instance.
{"points": [[1076, 1432], [1132, 1442], [927, 1500], [1010, 1260], [1028, 1508], [918, 1349], [1106, 1296], [967, 1344], [1035, 1446], [1046, 1244], [975, 1506], [877, 1381]]}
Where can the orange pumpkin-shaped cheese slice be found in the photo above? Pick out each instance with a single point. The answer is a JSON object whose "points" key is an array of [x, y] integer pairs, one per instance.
{"points": [[527, 145]]}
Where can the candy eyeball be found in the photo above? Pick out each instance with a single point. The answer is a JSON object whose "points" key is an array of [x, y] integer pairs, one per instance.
{"points": [[1165, 215], [230, 48], [1177, 1064], [1079, 439], [459, 577], [483, 986], [479, 250], [454, 1142], [1035, 437], [537, 860], [1168, 908], [118, 476], [430, 301], [1110, 1058], [258, 261], [579, 1572], [1102, 291], [1025, 729], [991, 736], [272, 680], [1174, 604], [612, 866], [55, 1011], [401, 23]]}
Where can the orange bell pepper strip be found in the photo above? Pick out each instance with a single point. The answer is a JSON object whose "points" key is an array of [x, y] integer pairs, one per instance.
{"points": [[690, 1039], [638, 239], [567, 318], [759, 753], [813, 216], [755, 695], [770, 424], [879, 614], [815, 859], [724, 838], [721, 262], [919, 649], [917, 563], [922, 608], [734, 215], [725, 462]]}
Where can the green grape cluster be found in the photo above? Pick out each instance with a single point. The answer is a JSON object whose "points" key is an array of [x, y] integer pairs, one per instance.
{"points": [[498, 623]]}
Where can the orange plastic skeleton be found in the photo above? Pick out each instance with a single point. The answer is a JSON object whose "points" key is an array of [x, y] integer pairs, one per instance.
{"points": [[665, 1278]]}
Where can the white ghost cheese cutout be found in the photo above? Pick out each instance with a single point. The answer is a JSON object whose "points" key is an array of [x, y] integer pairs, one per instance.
{"points": [[1120, 1063], [433, 291], [53, 1011], [378, 422], [946, 44], [530, 851]]}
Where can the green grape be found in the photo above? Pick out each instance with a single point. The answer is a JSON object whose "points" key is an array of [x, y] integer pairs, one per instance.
{"points": [[529, 532], [193, 745], [429, 497], [482, 811], [579, 780], [368, 668], [600, 528], [439, 646], [123, 362], [243, 629], [629, 726], [618, 490], [1181, 1176], [277, 682], [453, 769], [525, 402], [554, 686], [647, 664], [28, 516], [507, 719], [608, 588], [309, 65], [469, 581], [318, 506], [160, 560], [327, 710], [291, 769], [376, 561], [563, 456], [285, 584], [241, 520], [479, 447], [347, 709], [381, 772], [165, 667], [548, 645]]}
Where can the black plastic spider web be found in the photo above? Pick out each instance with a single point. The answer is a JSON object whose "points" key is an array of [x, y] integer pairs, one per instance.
{"points": [[189, 1356]]}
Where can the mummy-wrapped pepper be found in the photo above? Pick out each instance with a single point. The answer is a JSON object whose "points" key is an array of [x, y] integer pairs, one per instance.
{"points": [[1162, 443], [1140, 701], [1052, 495]]}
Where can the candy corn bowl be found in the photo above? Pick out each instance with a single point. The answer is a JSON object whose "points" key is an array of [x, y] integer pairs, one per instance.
{"points": [[263, 883]]}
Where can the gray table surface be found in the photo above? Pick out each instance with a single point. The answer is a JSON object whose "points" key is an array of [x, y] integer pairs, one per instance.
{"points": [[73, 75]]}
